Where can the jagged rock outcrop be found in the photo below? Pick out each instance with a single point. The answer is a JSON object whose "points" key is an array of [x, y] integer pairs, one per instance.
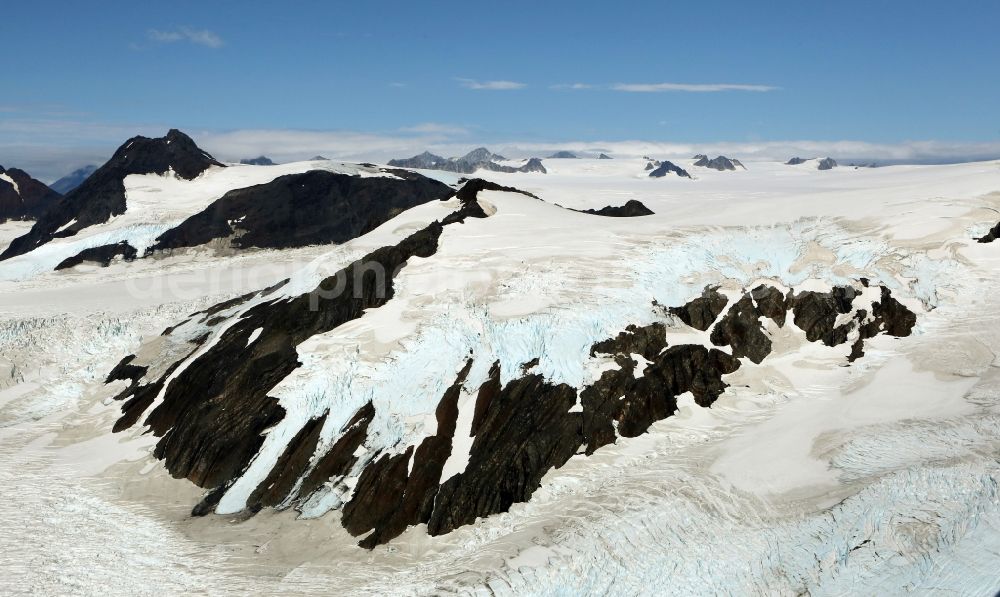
{"points": [[102, 195], [257, 161], [311, 208], [992, 235], [72, 180], [632, 208], [102, 255], [816, 314], [796, 161], [741, 330], [604, 156], [533, 165], [664, 168], [826, 164], [22, 197], [563, 155], [720, 163], [701, 312]]}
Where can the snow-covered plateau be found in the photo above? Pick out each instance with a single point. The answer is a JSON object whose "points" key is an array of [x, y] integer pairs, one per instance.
{"points": [[831, 428]]}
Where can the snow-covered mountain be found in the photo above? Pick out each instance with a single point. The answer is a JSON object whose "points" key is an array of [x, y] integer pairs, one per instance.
{"points": [[390, 381], [102, 195], [22, 197]]}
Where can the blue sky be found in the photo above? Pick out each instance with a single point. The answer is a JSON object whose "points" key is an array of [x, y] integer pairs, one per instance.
{"points": [[83, 76]]}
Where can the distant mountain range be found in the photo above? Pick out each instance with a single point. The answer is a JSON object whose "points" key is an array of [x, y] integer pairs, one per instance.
{"points": [[563, 155], [477, 159], [73, 179], [824, 164], [258, 161], [22, 197], [720, 163]]}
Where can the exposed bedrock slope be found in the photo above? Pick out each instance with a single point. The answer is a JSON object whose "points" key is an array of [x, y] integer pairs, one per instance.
{"points": [[22, 197], [315, 207], [211, 402]]}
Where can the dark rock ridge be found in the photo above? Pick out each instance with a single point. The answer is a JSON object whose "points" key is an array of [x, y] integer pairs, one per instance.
{"points": [[720, 163], [319, 158], [477, 159], [563, 155], [22, 197], [72, 180], [102, 195], [258, 161], [212, 415], [102, 255], [604, 156], [992, 235], [664, 168], [796, 161], [632, 208], [296, 210]]}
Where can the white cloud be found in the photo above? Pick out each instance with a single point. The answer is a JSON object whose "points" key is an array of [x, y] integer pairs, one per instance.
{"points": [[491, 85], [202, 37], [435, 128], [571, 86], [688, 87]]}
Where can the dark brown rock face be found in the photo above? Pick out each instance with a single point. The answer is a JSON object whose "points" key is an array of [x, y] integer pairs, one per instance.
{"points": [[816, 313], [102, 194], [647, 341], [702, 312], [631, 209], [22, 197], [311, 208], [990, 236], [741, 329], [102, 255]]}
